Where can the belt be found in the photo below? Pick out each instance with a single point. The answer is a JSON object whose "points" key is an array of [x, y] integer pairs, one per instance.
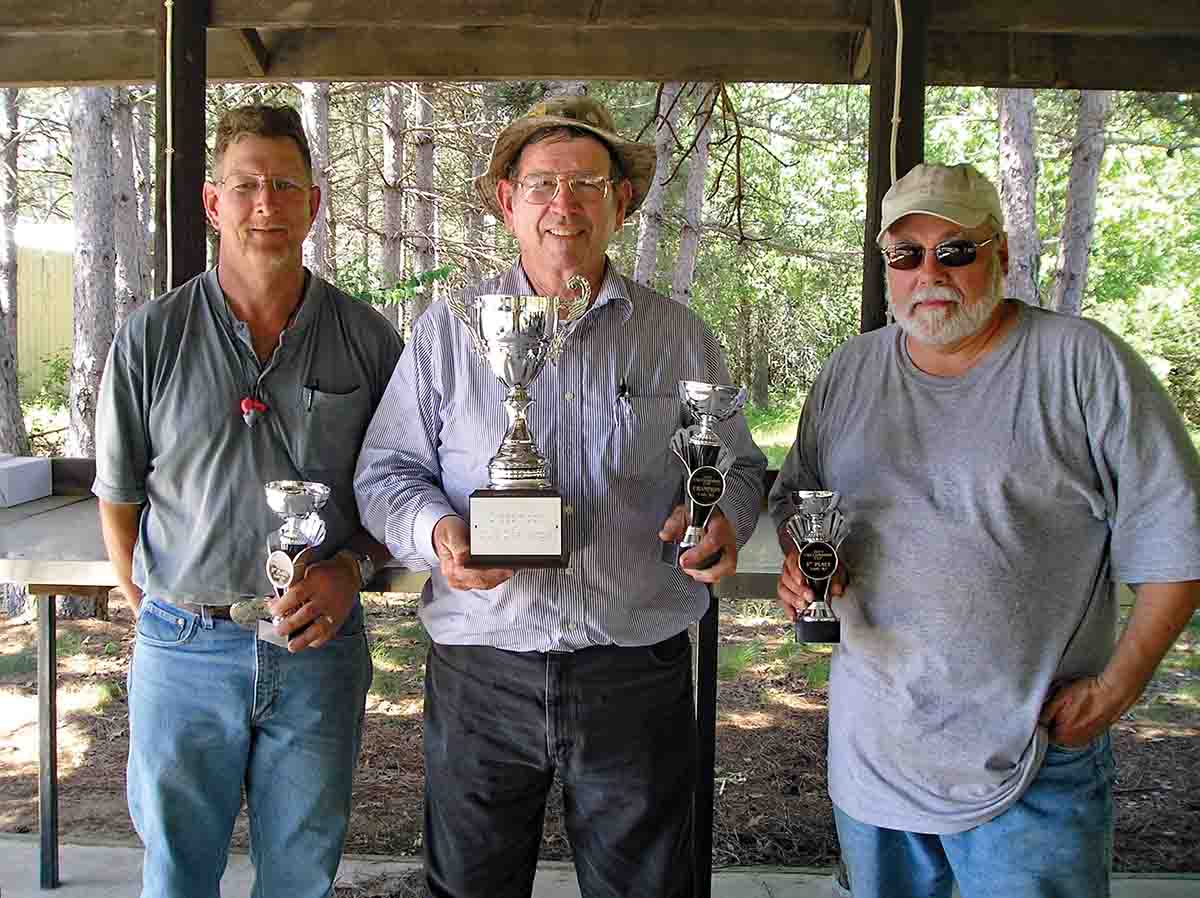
{"points": [[219, 612]]}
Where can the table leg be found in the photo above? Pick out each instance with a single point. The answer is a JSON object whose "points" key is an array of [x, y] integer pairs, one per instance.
{"points": [[47, 742], [706, 724]]}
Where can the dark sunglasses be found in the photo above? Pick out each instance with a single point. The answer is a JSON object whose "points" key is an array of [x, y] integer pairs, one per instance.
{"points": [[951, 253]]}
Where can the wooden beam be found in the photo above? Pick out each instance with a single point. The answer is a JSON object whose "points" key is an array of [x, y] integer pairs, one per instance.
{"points": [[180, 239], [990, 60], [1164, 17], [910, 132], [254, 52]]}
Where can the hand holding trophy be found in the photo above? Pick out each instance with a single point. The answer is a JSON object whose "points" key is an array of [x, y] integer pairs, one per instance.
{"points": [[288, 548], [817, 530], [517, 519], [706, 459]]}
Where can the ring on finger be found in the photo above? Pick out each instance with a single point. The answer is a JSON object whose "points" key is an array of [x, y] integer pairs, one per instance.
{"points": [[329, 621]]}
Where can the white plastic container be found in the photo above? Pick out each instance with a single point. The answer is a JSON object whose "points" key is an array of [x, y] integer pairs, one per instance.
{"points": [[23, 479]]}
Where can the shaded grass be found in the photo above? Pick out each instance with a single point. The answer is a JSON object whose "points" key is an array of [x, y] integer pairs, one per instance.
{"points": [[398, 653], [774, 429], [733, 659]]}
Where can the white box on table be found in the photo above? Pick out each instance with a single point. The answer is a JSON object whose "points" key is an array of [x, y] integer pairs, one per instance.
{"points": [[23, 479]]}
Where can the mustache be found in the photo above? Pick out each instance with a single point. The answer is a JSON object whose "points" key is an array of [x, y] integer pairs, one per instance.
{"points": [[936, 294]]}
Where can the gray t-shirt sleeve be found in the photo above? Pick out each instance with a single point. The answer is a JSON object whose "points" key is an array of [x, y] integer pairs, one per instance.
{"points": [[122, 442], [1148, 467]]}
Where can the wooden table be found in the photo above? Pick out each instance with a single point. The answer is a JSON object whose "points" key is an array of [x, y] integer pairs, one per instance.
{"points": [[54, 546]]}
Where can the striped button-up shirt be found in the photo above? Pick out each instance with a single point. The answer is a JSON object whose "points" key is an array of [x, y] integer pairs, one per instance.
{"points": [[603, 416]]}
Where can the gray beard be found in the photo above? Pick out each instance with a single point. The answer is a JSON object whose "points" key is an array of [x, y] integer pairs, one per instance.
{"points": [[941, 329]]}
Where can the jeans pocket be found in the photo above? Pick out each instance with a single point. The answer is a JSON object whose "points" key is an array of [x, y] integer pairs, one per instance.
{"points": [[159, 623]]}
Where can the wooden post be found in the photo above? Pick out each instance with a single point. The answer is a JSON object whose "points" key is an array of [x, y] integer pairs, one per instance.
{"points": [[180, 245], [706, 729], [910, 140], [47, 742]]}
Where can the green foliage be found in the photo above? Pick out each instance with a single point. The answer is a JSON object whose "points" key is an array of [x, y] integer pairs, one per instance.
{"points": [[15, 663], [366, 285], [732, 659], [774, 428], [56, 385]]}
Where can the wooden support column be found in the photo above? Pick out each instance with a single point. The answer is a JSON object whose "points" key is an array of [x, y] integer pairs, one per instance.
{"points": [[706, 729], [47, 742], [910, 140], [180, 240]]}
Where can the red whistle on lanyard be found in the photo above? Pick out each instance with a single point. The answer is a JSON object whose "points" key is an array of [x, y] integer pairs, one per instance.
{"points": [[251, 409]]}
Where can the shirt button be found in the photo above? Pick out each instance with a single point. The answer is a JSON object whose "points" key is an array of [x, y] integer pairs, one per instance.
{"points": [[569, 396], [568, 510], [570, 570]]}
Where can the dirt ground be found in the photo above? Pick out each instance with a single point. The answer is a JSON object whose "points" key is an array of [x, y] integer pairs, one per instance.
{"points": [[771, 802]]}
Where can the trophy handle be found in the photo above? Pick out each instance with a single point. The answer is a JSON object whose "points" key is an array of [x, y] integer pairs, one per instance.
{"points": [[460, 311], [574, 309]]}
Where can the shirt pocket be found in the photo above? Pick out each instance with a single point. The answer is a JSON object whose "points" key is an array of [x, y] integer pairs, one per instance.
{"points": [[332, 429], [639, 438]]}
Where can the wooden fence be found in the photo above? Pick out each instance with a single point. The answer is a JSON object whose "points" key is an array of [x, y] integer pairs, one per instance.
{"points": [[44, 289]]}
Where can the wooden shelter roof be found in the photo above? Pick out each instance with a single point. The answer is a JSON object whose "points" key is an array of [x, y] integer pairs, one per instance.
{"points": [[1013, 43]]}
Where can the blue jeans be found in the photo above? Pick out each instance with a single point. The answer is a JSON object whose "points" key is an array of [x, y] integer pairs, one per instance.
{"points": [[213, 709], [1054, 842], [617, 724]]}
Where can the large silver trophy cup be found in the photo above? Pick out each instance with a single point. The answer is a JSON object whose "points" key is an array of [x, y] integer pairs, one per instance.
{"points": [[705, 457], [517, 519], [817, 529], [289, 549]]}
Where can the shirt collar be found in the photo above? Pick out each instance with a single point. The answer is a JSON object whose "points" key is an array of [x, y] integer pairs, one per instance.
{"points": [[302, 316]]}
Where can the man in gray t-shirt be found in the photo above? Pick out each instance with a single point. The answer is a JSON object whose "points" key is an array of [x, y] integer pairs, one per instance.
{"points": [[254, 371], [1000, 466]]}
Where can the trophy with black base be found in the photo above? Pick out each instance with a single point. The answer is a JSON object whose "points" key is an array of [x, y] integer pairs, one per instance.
{"points": [[817, 530], [705, 457], [516, 521], [290, 548]]}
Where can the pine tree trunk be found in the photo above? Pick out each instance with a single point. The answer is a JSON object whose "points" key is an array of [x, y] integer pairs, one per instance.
{"points": [[13, 438], [760, 382], [132, 282], [143, 127], [652, 208], [1079, 220], [366, 175], [689, 236], [91, 182], [424, 213], [314, 106], [395, 123], [1018, 192]]}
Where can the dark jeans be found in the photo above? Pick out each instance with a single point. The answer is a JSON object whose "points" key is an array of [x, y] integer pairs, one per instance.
{"points": [[616, 723]]}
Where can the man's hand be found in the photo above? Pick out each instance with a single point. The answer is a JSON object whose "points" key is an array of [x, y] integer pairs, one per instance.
{"points": [[719, 537], [452, 542], [315, 607], [1082, 709], [794, 592]]}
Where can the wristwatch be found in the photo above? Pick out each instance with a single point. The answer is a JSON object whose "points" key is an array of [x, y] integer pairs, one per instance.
{"points": [[364, 563]]}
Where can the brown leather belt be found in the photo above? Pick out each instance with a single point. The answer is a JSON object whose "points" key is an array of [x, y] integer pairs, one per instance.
{"points": [[217, 612]]}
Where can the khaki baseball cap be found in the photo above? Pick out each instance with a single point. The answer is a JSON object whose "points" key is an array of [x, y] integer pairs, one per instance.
{"points": [[957, 193], [583, 112]]}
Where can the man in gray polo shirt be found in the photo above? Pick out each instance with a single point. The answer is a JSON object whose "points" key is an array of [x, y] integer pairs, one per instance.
{"points": [[256, 370], [999, 465]]}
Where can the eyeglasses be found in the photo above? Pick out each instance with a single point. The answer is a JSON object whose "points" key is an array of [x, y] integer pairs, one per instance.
{"points": [[951, 253], [542, 189], [245, 184]]}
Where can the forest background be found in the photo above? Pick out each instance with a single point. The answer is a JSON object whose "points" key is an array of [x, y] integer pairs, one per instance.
{"points": [[756, 216]]}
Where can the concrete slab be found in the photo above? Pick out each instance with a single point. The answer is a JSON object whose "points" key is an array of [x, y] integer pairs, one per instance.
{"points": [[114, 871]]}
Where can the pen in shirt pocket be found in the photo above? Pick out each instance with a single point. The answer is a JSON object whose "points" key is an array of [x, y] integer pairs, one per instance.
{"points": [[309, 391]]}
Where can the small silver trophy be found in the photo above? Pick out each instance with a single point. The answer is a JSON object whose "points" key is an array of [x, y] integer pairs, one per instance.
{"points": [[517, 519], [706, 459], [817, 529], [288, 548]]}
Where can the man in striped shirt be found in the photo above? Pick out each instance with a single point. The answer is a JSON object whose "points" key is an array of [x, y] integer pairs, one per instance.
{"points": [[583, 671]]}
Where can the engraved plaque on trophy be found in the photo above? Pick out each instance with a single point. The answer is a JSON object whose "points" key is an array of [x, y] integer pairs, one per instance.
{"points": [[517, 519]]}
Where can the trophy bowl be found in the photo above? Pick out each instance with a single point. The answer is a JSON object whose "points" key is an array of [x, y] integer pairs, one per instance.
{"points": [[712, 401]]}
